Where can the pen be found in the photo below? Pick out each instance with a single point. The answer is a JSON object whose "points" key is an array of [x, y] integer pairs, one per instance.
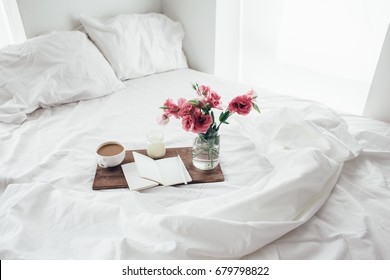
{"points": [[181, 169]]}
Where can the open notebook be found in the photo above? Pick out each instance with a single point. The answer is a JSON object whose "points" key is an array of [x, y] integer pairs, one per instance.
{"points": [[145, 172]]}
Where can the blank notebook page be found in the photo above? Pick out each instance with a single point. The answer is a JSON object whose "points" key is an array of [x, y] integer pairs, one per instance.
{"points": [[172, 171]]}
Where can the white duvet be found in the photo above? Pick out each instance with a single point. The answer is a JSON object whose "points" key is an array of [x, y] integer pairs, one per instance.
{"points": [[301, 182]]}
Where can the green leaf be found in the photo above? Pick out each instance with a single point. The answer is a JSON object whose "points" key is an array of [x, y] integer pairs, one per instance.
{"points": [[220, 116], [195, 86], [164, 107], [224, 116], [204, 110], [255, 107], [194, 102]]}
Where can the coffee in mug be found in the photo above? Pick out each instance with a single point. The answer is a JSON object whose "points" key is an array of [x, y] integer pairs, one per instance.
{"points": [[110, 150], [110, 154]]}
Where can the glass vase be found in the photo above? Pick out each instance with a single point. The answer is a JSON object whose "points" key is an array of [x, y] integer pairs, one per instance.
{"points": [[205, 151]]}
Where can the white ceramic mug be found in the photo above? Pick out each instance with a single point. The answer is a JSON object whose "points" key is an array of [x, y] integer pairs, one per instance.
{"points": [[112, 159]]}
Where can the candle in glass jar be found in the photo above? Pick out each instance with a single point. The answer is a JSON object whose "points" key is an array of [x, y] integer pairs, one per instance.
{"points": [[156, 147]]}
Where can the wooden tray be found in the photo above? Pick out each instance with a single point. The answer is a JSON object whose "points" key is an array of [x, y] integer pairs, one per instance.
{"points": [[113, 178]]}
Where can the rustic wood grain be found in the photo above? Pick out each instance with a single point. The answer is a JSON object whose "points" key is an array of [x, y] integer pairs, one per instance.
{"points": [[113, 178]]}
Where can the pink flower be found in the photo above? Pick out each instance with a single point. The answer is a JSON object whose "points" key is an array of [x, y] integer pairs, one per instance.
{"points": [[203, 90], [187, 122], [181, 102], [201, 122], [197, 114], [171, 108], [241, 104], [163, 120], [186, 109], [251, 93], [214, 100], [202, 103]]}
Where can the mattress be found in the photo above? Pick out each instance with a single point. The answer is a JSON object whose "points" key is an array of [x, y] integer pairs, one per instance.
{"points": [[301, 182]]}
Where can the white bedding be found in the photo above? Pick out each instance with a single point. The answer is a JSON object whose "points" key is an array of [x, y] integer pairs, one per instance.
{"points": [[301, 182]]}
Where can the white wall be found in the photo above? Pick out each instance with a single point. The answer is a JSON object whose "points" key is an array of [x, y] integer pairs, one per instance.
{"points": [[40, 16], [197, 16], [228, 39], [378, 101], [198, 19]]}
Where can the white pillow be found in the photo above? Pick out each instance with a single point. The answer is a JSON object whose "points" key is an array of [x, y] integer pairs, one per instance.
{"points": [[49, 70], [139, 44]]}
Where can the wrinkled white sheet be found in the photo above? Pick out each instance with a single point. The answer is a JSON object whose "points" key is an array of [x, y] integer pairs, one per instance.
{"points": [[299, 183]]}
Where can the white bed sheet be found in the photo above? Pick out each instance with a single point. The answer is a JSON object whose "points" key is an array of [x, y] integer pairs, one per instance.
{"points": [[298, 184]]}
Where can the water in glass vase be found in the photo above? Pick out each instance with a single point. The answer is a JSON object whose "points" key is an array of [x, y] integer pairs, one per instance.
{"points": [[205, 152]]}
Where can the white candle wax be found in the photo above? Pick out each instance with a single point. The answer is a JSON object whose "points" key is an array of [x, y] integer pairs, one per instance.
{"points": [[156, 149], [156, 146]]}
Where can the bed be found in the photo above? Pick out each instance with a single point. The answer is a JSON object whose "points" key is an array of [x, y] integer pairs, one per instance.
{"points": [[301, 181]]}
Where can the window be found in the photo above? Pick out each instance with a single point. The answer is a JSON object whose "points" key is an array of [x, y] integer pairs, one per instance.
{"points": [[11, 27], [315, 49], [5, 30]]}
